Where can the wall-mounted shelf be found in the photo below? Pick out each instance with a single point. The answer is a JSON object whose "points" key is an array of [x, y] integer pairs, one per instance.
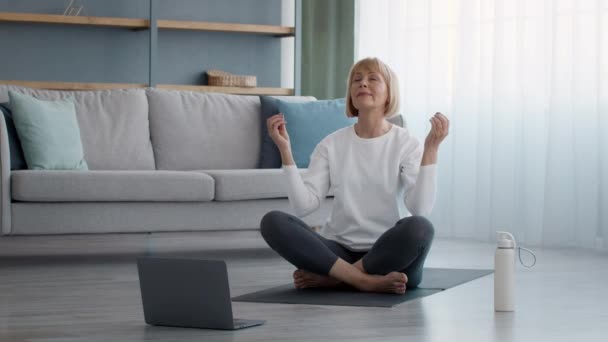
{"points": [[153, 24], [230, 90], [105, 86], [279, 31], [135, 23], [73, 85], [131, 23]]}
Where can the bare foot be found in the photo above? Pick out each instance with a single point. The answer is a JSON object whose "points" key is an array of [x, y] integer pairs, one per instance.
{"points": [[393, 282], [304, 279]]}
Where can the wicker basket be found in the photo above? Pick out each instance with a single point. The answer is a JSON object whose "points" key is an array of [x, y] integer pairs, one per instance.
{"points": [[226, 79]]}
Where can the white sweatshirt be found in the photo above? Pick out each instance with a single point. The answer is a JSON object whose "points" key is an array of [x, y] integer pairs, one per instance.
{"points": [[371, 180]]}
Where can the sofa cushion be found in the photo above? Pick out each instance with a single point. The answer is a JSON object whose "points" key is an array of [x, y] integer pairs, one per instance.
{"points": [[14, 144], [309, 122], [111, 186], [196, 131], [49, 133], [269, 153], [396, 119], [114, 125], [235, 185]]}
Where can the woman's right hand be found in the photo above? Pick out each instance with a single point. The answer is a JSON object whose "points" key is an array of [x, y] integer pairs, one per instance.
{"points": [[277, 130]]}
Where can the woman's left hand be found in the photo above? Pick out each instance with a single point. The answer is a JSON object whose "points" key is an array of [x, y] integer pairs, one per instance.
{"points": [[440, 126]]}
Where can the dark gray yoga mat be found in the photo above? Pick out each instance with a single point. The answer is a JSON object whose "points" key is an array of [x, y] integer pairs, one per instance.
{"points": [[434, 280]]}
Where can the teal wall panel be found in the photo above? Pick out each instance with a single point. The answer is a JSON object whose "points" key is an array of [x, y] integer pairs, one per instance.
{"points": [[43, 52]]}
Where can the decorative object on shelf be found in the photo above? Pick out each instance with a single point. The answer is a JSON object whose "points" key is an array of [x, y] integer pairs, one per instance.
{"points": [[74, 8], [226, 79]]}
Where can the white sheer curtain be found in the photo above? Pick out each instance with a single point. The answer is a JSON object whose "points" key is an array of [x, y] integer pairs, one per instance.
{"points": [[525, 84]]}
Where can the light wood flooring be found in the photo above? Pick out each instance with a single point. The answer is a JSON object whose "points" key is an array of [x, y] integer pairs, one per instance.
{"points": [[85, 288]]}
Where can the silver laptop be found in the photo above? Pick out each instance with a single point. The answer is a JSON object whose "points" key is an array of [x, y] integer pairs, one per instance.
{"points": [[190, 293]]}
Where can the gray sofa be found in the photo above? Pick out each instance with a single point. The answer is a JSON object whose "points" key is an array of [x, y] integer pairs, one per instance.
{"points": [[159, 160]]}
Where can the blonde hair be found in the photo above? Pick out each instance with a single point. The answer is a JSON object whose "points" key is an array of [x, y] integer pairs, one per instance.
{"points": [[376, 65]]}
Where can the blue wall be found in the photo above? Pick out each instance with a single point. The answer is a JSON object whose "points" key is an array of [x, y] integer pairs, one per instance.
{"points": [[42, 52]]}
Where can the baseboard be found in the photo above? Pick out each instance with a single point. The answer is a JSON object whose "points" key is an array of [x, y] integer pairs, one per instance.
{"points": [[131, 243]]}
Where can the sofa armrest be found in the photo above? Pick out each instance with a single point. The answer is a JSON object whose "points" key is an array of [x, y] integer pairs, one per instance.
{"points": [[5, 176]]}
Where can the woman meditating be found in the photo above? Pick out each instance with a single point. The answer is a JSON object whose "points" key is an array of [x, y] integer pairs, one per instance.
{"points": [[373, 167]]}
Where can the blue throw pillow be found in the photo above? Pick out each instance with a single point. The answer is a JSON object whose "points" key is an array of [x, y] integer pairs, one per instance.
{"points": [[270, 158], [309, 122], [14, 145], [49, 133]]}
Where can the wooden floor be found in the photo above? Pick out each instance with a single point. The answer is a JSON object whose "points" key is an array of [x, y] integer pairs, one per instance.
{"points": [[86, 289]]}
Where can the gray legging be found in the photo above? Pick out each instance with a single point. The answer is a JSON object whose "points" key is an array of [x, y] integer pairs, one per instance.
{"points": [[403, 247]]}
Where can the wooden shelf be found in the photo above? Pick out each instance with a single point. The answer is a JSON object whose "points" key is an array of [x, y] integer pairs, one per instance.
{"points": [[73, 85], [105, 86], [131, 23], [230, 90], [280, 31], [135, 23]]}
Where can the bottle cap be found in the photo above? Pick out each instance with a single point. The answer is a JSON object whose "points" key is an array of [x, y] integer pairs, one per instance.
{"points": [[506, 240]]}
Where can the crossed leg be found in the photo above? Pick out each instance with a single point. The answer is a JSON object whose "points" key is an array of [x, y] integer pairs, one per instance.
{"points": [[322, 262]]}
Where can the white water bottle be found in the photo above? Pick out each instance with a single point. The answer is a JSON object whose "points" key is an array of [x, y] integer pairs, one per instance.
{"points": [[504, 273]]}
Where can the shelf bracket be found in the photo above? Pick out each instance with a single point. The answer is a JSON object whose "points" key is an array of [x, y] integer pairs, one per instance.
{"points": [[153, 44]]}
